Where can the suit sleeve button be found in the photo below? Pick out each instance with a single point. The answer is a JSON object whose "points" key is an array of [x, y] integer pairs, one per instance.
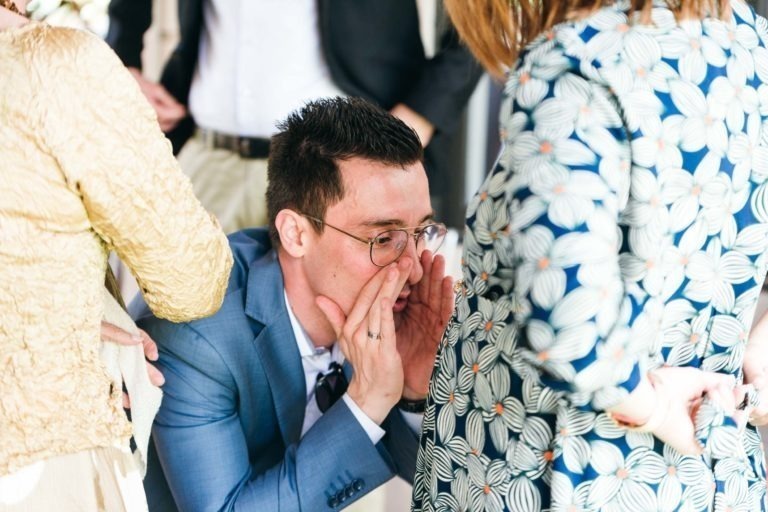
{"points": [[333, 502], [358, 484]]}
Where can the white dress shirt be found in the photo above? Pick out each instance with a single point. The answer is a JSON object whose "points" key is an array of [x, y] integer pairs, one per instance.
{"points": [[258, 61]]}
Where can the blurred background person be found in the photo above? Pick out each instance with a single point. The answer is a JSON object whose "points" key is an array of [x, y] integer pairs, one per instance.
{"points": [[612, 264], [85, 169], [239, 67]]}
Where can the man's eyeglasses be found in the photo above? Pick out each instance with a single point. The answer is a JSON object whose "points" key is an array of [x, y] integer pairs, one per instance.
{"points": [[389, 245], [330, 386]]}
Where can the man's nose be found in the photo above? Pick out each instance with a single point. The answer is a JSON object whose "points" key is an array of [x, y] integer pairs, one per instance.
{"points": [[413, 252]]}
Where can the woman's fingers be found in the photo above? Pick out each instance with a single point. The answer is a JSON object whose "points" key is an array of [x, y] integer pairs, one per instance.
{"points": [[723, 395], [110, 332], [692, 381], [150, 347], [719, 382], [758, 412], [155, 377], [114, 334]]}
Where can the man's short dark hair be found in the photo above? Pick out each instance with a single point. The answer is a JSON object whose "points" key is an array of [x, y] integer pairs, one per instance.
{"points": [[303, 167]]}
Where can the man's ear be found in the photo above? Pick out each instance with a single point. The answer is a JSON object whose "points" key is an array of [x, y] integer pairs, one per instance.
{"points": [[293, 230]]}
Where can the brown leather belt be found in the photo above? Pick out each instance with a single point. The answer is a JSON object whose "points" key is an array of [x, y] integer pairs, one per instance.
{"points": [[246, 147]]}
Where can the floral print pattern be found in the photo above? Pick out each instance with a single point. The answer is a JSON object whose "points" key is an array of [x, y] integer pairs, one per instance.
{"points": [[624, 227]]}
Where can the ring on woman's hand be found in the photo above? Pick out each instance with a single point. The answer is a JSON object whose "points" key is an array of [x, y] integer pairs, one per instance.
{"points": [[374, 335]]}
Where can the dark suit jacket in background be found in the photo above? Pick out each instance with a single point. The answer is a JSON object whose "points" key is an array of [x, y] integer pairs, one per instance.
{"points": [[373, 49]]}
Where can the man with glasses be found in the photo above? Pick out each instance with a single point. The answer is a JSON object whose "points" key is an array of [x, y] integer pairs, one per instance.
{"points": [[304, 391]]}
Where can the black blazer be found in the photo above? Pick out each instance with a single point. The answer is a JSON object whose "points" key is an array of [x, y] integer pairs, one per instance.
{"points": [[372, 47]]}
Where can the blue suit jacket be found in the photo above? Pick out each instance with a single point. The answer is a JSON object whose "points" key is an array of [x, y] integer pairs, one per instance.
{"points": [[228, 432]]}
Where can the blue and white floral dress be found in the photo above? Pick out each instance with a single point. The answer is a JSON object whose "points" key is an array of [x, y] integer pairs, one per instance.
{"points": [[624, 227]]}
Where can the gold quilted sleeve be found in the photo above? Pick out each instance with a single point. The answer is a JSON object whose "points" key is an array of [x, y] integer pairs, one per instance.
{"points": [[120, 163]]}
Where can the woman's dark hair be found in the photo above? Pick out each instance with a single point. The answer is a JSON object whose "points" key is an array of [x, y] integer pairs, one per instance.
{"points": [[303, 170]]}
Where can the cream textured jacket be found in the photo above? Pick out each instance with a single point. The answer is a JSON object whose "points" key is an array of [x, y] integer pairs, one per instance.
{"points": [[84, 170]]}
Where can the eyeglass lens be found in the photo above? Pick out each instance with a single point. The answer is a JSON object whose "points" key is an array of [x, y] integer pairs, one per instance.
{"points": [[330, 386], [389, 245]]}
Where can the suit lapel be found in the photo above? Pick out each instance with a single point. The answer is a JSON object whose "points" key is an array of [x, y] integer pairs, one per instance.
{"points": [[276, 345], [347, 370]]}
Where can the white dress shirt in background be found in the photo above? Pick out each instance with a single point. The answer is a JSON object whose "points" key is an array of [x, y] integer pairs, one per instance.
{"points": [[256, 67]]}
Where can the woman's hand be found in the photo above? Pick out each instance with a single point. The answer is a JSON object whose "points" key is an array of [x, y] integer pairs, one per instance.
{"points": [[755, 369], [678, 393], [114, 334]]}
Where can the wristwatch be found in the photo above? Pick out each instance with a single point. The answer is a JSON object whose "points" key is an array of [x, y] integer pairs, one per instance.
{"points": [[417, 406]]}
